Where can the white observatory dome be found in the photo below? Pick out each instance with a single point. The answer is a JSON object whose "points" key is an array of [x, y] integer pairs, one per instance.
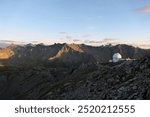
{"points": [[117, 57]]}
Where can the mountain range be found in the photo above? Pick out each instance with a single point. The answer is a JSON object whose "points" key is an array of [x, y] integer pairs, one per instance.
{"points": [[73, 71], [67, 53]]}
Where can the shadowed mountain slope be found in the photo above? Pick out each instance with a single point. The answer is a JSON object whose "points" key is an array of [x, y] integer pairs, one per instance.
{"points": [[125, 80]]}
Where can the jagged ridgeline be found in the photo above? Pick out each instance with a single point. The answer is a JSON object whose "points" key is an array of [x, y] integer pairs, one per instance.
{"points": [[74, 71]]}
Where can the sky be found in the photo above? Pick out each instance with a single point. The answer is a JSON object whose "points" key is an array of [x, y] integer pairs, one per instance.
{"points": [[81, 21]]}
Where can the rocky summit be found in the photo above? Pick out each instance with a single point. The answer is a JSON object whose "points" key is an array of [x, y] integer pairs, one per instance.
{"points": [[74, 71]]}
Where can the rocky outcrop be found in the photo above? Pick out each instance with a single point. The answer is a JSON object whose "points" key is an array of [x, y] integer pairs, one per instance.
{"points": [[127, 80]]}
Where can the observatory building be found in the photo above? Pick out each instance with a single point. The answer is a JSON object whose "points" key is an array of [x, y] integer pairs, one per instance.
{"points": [[117, 57]]}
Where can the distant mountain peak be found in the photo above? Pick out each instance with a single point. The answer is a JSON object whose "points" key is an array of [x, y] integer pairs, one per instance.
{"points": [[12, 46], [76, 47], [66, 49]]}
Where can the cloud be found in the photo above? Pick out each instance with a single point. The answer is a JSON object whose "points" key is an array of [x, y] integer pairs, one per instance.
{"points": [[110, 41], [144, 46], [7, 41], [104, 41], [76, 40], [107, 40], [91, 41], [11, 41], [34, 42], [145, 9]]}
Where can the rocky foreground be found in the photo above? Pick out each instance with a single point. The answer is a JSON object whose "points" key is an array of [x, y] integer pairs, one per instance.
{"points": [[123, 80]]}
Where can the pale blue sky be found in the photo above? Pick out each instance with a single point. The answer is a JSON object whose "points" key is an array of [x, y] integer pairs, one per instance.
{"points": [[65, 20]]}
